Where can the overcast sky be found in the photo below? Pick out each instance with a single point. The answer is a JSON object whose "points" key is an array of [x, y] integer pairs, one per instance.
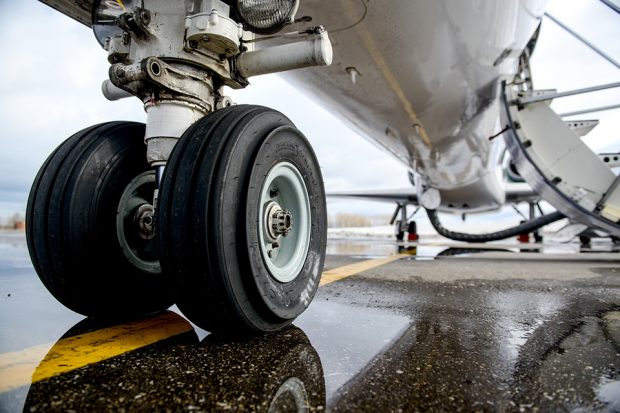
{"points": [[52, 68]]}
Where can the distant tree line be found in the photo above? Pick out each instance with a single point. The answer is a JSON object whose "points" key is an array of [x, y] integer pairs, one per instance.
{"points": [[12, 222], [343, 220]]}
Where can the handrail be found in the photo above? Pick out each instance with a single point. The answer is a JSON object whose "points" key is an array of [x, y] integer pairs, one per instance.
{"points": [[584, 41], [548, 96], [611, 5], [592, 110]]}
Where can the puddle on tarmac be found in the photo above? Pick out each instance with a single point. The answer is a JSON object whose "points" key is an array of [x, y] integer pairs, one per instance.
{"points": [[435, 247], [13, 252], [520, 314], [608, 392], [348, 337]]}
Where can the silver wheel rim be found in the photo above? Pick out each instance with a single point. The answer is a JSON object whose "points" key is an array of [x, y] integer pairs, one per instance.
{"points": [[284, 252], [134, 202]]}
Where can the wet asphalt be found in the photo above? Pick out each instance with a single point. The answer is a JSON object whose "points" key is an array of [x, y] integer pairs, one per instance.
{"points": [[445, 328]]}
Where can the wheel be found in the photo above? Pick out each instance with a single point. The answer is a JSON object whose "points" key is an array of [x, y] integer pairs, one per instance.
{"points": [[400, 234], [87, 224], [412, 228], [241, 221], [412, 231]]}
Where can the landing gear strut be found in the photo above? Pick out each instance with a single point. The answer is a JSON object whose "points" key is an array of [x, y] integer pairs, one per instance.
{"points": [[401, 225]]}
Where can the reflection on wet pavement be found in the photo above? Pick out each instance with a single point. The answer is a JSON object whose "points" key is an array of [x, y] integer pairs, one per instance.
{"points": [[348, 337], [431, 247], [281, 372], [13, 252], [579, 368], [499, 354]]}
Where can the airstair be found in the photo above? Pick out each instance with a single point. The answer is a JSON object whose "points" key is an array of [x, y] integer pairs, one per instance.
{"points": [[551, 156]]}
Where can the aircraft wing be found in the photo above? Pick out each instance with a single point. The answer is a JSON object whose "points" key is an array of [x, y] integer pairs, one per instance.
{"points": [[399, 196], [515, 193], [520, 192], [79, 10]]}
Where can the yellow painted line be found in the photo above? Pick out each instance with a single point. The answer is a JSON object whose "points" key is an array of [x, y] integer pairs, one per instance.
{"points": [[32, 364], [120, 3], [44, 361], [352, 269]]}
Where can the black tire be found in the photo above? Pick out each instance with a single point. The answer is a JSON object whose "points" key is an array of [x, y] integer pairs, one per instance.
{"points": [[71, 225], [207, 221], [412, 228], [400, 234]]}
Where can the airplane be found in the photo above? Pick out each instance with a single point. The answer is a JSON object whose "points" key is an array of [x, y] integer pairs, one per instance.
{"points": [[221, 208]]}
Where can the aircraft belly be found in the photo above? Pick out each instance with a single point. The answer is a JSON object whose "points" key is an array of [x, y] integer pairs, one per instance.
{"points": [[79, 10], [427, 75]]}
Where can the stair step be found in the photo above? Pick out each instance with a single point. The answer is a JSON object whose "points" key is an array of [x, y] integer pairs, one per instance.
{"points": [[611, 159], [582, 127]]}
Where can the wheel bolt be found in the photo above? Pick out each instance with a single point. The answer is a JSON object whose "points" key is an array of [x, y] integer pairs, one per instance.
{"points": [[282, 222]]}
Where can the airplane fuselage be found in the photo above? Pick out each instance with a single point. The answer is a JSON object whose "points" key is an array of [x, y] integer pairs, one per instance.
{"points": [[421, 79]]}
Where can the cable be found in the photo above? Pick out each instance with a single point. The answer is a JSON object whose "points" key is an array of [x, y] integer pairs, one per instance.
{"points": [[361, 19], [527, 227]]}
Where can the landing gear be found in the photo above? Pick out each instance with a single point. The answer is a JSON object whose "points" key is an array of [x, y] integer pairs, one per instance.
{"points": [[223, 209], [84, 214], [401, 225], [400, 234], [240, 225], [242, 221], [412, 232]]}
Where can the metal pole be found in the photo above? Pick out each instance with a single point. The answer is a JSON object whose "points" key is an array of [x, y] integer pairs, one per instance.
{"points": [[584, 111], [584, 41], [611, 5], [548, 96], [159, 174]]}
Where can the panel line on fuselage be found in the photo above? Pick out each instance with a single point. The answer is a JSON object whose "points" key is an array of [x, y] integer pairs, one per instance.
{"points": [[384, 68]]}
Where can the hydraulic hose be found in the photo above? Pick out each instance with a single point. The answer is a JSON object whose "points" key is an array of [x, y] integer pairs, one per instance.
{"points": [[526, 227]]}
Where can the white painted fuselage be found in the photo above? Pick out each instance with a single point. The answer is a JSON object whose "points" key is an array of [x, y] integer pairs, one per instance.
{"points": [[421, 79]]}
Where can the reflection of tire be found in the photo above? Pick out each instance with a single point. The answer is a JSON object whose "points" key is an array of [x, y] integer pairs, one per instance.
{"points": [[279, 372], [283, 371], [72, 224], [242, 221]]}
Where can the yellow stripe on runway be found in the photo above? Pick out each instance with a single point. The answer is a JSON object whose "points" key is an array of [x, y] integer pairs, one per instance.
{"points": [[352, 269], [24, 367], [38, 363]]}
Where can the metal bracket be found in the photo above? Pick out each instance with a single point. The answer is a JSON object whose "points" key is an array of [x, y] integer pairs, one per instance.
{"points": [[154, 78]]}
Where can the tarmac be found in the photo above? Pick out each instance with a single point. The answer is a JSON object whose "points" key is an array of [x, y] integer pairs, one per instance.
{"points": [[430, 326]]}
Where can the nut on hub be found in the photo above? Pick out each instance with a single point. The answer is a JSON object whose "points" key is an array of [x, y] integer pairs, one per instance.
{"points": [[145, 220], [278, 221]]}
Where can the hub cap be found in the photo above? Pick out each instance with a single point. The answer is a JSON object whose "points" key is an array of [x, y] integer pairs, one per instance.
{"points": [[284, 222]]}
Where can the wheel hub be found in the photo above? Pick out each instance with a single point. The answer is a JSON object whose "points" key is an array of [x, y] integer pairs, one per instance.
{"points": [[135, 223], [144, 219], [284, 234], [278, 221]]}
